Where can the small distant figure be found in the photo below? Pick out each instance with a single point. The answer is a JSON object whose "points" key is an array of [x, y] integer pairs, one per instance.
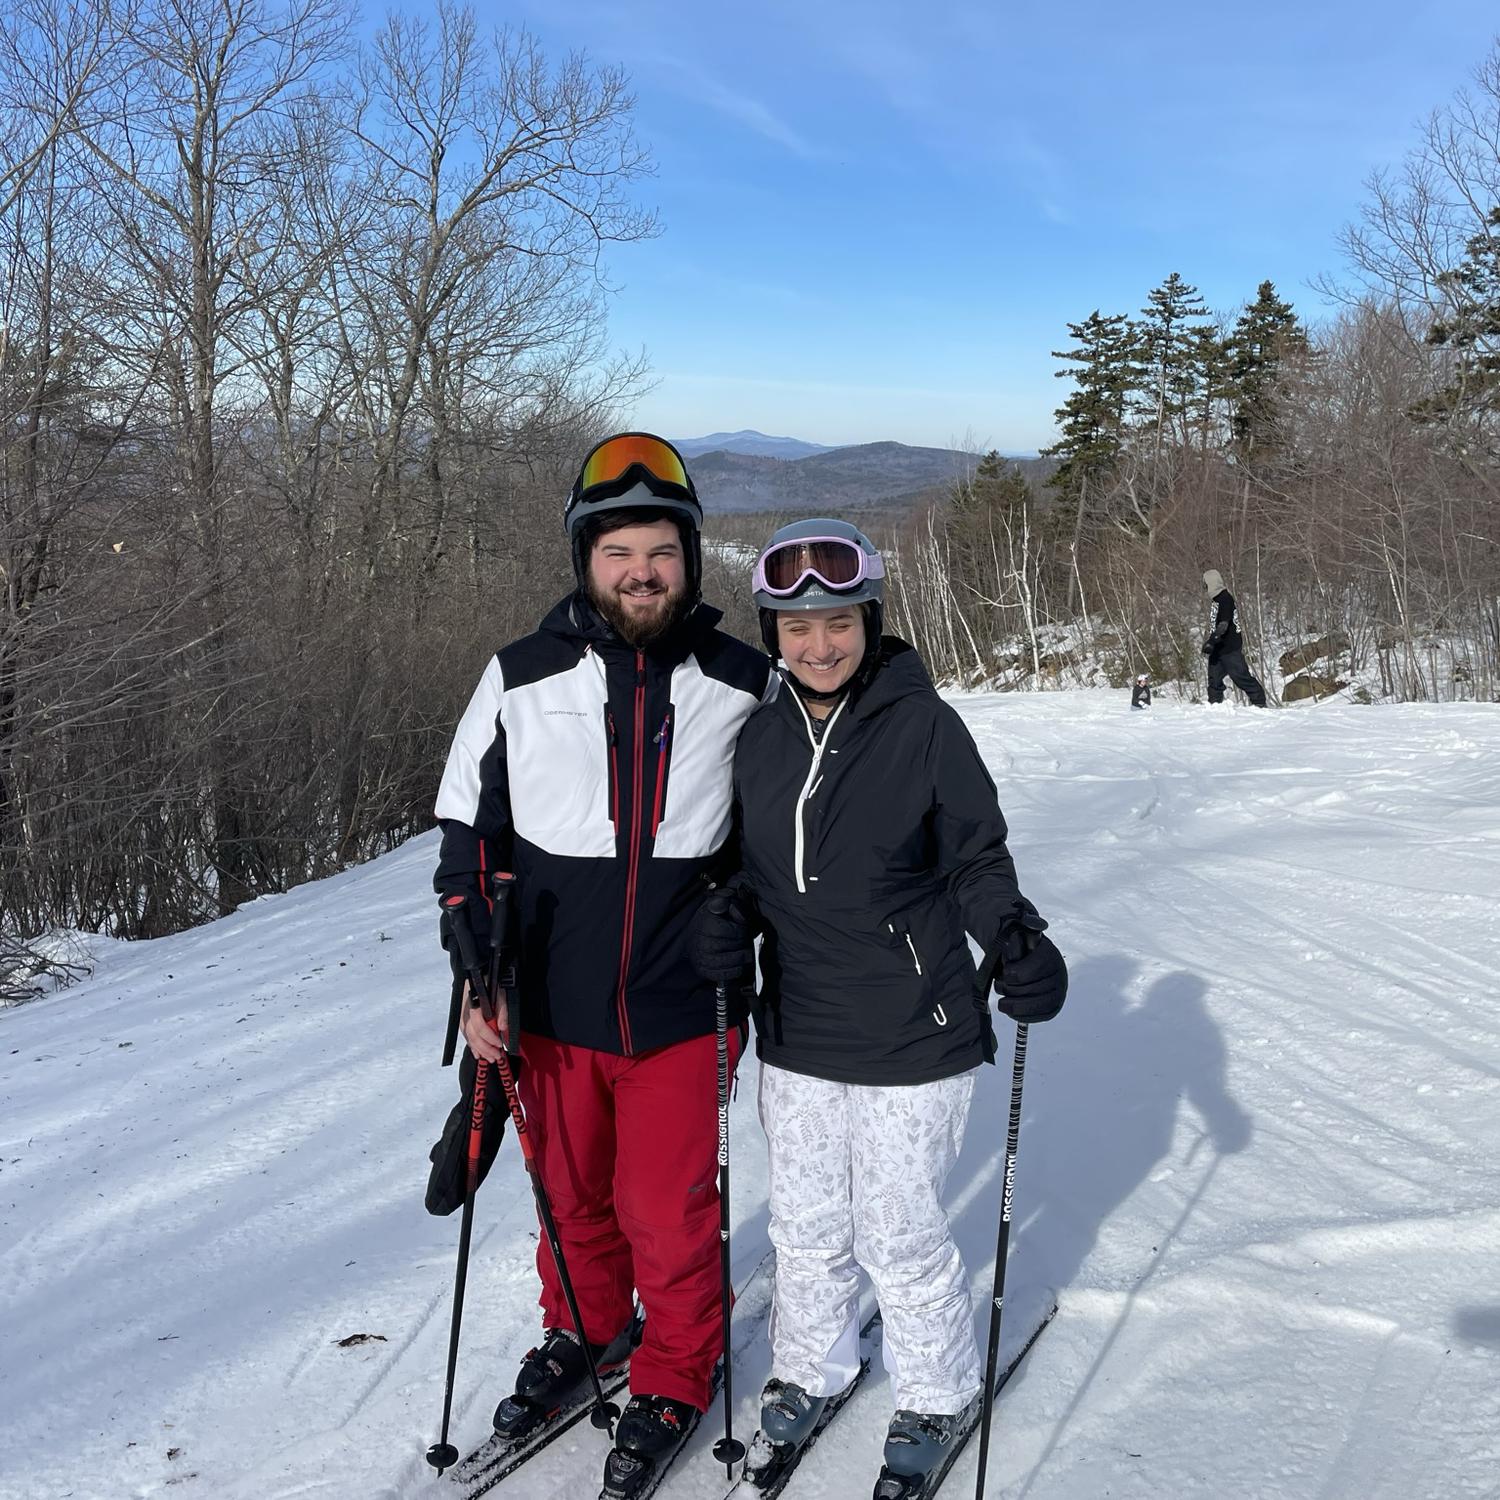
{"points": [[1140, 694], [1223, 646]]}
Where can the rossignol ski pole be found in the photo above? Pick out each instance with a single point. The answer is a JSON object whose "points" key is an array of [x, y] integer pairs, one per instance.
{"points": [[1002, 1246]]}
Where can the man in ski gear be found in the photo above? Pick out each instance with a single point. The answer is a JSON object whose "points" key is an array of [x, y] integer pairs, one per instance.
{"points": [[1223, 645], [871, 842], [1140, 693], [595, 760]]}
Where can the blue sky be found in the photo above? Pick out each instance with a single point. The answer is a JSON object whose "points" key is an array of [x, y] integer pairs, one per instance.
{"points": [[878, 218]]}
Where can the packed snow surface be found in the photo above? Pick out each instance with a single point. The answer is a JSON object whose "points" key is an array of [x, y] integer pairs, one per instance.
{"points": [[1260, 1161]]}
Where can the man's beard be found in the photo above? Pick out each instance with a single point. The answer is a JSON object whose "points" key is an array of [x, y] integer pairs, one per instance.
{"points": [[636, 630]]}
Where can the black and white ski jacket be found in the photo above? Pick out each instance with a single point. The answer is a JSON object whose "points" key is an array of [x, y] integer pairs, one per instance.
{"points": [[870, 854], [601, 775]]}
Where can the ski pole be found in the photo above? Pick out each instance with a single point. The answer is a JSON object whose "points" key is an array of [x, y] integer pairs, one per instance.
{"points": [[502, 983], [727, 1451], [1002, 1246], [442, 1454]]}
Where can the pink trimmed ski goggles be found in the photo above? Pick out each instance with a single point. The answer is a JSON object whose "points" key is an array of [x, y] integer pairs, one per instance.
{"points": [[836, 562]]}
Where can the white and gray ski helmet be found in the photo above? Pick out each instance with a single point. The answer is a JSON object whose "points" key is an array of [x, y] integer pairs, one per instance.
{"points": [[812, 593], [632, 471], [1213, 581]]}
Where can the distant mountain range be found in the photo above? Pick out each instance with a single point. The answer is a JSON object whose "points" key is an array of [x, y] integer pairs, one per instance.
{"points": [[748, 441], [739, 471]]}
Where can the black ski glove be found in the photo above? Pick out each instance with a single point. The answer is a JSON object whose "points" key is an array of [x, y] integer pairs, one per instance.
{"points": [[477, 911], [722, 940], [1032, 978]]}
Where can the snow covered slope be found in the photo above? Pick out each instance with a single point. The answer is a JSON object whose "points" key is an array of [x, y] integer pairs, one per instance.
{"points": [[1259, 1159]]}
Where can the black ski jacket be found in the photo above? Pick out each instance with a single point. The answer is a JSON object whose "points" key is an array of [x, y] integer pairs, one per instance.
{"points": [[601, 775], [1223, 626], [869, 855]]}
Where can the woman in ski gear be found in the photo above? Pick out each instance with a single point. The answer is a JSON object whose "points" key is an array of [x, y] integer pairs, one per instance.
{"points": [[595, 761], [1140, 694], [871, 842], [1223, 645]]}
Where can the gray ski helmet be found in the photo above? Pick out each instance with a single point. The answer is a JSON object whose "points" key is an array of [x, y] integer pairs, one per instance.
{"points": [[813, 594], [635, 471]]}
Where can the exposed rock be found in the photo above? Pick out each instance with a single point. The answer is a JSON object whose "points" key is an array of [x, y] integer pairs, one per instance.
{"points": [[1298, 688], [1300, 658]]}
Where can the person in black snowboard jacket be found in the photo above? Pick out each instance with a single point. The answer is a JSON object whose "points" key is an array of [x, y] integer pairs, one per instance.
{"points": [[1223, 645], [871, 841]]}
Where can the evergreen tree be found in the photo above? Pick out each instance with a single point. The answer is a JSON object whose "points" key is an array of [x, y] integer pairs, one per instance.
{"points": [[1265, 339], [1092, 420], [1212, 359], [1170, 349], [1471, 329]]}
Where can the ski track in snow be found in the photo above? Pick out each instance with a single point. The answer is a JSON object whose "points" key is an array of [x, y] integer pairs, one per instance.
{"points": [[1258, 1162]]}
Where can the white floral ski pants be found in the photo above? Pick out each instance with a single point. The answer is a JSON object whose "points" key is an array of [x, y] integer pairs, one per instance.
{"points": [[857, 1177]]}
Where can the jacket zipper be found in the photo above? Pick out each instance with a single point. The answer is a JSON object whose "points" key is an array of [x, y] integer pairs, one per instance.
{"points": [[637, 785], [614, 771], [810, 785], [890, 927], [662, 738]]}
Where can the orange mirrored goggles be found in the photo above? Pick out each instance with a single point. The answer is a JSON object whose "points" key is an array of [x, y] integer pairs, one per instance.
{"points": [[609, 464]]}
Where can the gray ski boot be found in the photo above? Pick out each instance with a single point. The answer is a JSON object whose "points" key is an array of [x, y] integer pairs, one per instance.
{"points": [[788, 1417], [919, 1447]]}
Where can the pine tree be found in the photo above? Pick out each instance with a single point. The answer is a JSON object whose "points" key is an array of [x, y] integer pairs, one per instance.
{"points": [[1169, 339], [1471, 329], [1092, 419], [1266, 338]]}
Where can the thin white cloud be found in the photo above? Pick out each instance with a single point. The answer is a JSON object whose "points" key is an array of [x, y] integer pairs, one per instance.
{"points": [[695, 83]]}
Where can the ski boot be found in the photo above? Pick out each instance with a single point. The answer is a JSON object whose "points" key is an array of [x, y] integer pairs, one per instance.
{"points": [[651, 1432], [918, 1450], [788, 1417], [555, 1375]]}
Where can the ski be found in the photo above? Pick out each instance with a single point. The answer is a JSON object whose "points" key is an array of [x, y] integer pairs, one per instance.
{"points": [[496, 1458], [901, 1487], [769, 1479]]}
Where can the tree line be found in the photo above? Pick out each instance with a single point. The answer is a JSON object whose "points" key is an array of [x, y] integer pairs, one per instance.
{"points": [[300, 338], [1343, 477]]}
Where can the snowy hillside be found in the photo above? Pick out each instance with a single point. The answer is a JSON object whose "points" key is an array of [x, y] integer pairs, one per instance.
{"points": [[1260, 1161]]}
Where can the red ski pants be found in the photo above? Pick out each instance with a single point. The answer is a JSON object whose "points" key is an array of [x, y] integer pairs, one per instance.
{"points": [[628, 1151]]}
